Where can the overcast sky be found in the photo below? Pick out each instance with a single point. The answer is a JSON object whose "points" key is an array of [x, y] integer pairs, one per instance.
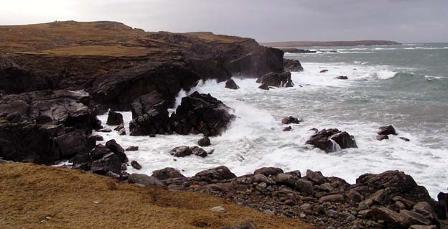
{"points": [[265, 20]]}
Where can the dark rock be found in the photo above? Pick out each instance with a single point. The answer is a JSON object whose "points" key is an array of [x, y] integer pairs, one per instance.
{"points": [[288, 128], [144, 180], [215, 174], [304, 186], [98, 138], [167, 173], [109, 162], [268, 171], [342, 78], [331, 140], [276, 80], [181, 151], [205, 141], [290, 119], [150, 115], [114, 118], [426, 209], [381, 137], [198, 151], [136, 165], [264, 87], [105, 130], [99, 152], [323, 71], [132, 148], [315, 177], [230, 84], [120, 129], [391, 218], [292, 65], [405, 139], [331, 198], [117, 149], [442, 205], [386, 130], [201, 113], [414, 218]]}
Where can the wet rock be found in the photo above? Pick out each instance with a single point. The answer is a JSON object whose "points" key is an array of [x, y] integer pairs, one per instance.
{"points": [[215, 174], [167, 173], [304, 186], [198, 151], [114, 118], [442, 205], [117, 149], [181, 151], [144, 180], [109, 162], [97, 138], [405, 139], [150, 115], [136, 165], [381, 137], [330, 140], [201, 113], [315, 177], [205, 141], [230, 84], [268, 171], [264, 87], [292, 65], [386, 130], [324, 71], [342, 78], [288, 128], [132, 148], [105, 130], [291, 119], [276, 80], [120, 129]]}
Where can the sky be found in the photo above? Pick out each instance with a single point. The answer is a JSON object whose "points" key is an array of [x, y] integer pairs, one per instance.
{"points": [[264, 20]]}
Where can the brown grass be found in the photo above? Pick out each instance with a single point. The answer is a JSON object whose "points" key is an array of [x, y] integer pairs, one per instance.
{"points": [[34, 196]]}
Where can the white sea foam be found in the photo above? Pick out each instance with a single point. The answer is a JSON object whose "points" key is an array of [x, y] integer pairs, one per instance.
{"points": [[256, 139]]}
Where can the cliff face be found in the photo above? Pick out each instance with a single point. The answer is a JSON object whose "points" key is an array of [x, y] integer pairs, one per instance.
{"points": [[73, 55]]}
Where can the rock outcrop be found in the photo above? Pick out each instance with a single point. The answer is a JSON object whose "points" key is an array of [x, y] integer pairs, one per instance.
{"points": [[331, 140], [276, 80], [201, 113], [230, 84], [292, 65]]}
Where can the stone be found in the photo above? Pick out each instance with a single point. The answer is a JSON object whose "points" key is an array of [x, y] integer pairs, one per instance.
{"points": [[117, 149], [324, 71], [405, 139], [414, 218], [167, 173], [332, 198], [315, 177], [276, 80], [304, 186], [381, 137], [205, 141], [114, 118], [423, 227], [342, 78], [216, 174], [268, 171], [390, 218], [331, 140], [136, 165], [144, 180], [218, 209], [292, 65], [181, 151], [288, 128], [264, 87], [230, 84], [108, 163], [291, 119], [198, 151]]}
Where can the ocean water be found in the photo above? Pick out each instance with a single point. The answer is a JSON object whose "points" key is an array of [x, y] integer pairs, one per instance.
{"points": [[403, 85]]}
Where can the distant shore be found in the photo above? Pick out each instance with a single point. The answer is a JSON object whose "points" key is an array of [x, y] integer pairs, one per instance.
{"points": [[286, 44]]}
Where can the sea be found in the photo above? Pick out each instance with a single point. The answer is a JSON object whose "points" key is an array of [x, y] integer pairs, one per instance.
{"points": [[401, 85]]}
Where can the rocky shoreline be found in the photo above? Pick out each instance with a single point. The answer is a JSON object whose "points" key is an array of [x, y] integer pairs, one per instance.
{"points": [[49, 105]]}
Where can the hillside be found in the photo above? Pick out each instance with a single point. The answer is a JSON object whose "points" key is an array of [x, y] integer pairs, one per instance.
{"points": [[287, 44], [35, 196]]}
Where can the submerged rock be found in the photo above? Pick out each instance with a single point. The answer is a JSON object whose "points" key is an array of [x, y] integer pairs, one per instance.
{"points": [[386, 130], [205, 141], [331, 140], [181, 151], [136, 165], [342, 78], [324, 71], [291, 119]]}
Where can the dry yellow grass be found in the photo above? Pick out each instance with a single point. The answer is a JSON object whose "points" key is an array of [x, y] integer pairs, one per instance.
{"points": [[33, 196]]}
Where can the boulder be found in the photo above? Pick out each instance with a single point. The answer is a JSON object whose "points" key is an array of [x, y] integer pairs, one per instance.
{"points": [[144, 180], [392, 219], [120, 129], [264, 87], [292, 65], [386, 130], [150, 115], [230, 84], [315, 176], [276, 80], [110, 162], [167, 173], [117, 149], [198, 151], [342, 78], [132, 148], [291, 119], [201, 113], [114, 118], [381, 137], [442, 205], [331, 140], [331, 198], [205, 141], [216, 174], [288, 128], [181, 151]]}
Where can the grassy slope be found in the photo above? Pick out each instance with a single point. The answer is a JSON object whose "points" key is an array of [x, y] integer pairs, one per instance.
{"points": [[33, 196]]}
